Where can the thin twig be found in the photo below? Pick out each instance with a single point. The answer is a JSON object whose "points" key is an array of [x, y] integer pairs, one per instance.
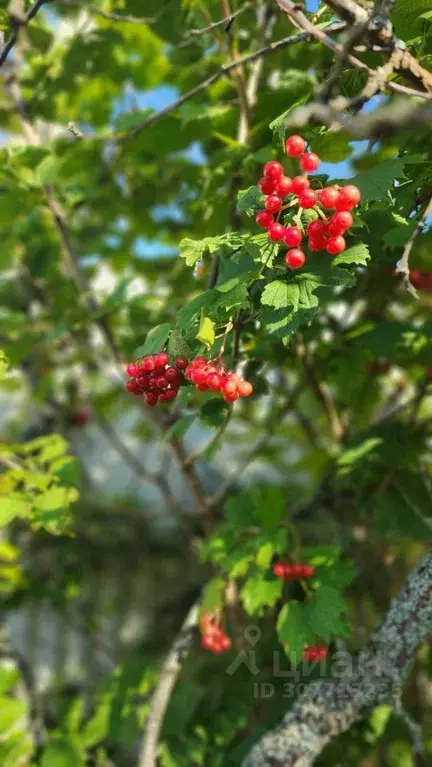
{"points": [[402, 267], [169, 674], [227, 22], [321, 390]]}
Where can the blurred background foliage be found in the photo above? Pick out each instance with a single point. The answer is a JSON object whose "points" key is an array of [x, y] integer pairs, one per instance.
{"points": [[100, 518]]}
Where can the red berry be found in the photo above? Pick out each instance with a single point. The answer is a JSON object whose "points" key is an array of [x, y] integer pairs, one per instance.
{"points": [[273, 204], [295, 146], [162, 382], [133, 387], [315, 244], [182, 363], [151, 398], [328, 197], [279, 570], [159, 371], [266, 185], [292, 236], [214, 382], [295, 258], [202, 386], [309, 162], [161, 359], [143, 382], [148, 364], [273, 170], [229, 386], [230, 396], [198, 377], [171, 394], [299, 184], [288, 572], [264, 219], [171, 374], [308, 571], [349, 197], [308, 199], [340, 222], [276, 232], [132, 369], [316, 229], [245, 388], [283, 187], [297, 571], [335, 245], [225, 642], [199, 362], [163, 397]]}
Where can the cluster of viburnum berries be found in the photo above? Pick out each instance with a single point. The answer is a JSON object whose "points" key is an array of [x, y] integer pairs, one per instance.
{"points": [[291, 572], [210, 375], [214, 637], [160, 381], [324, 233], [312, 654], [156, 378]]}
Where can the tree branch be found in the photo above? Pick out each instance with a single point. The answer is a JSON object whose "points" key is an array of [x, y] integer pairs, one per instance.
{"points": [[19, 22], [326, 709], [227, 22], [168, 677], [402, 267], [154, 118]]}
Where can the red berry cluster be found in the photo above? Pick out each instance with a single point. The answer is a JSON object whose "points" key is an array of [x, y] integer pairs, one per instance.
{"points": [[213, 376], [324, 234], [312, 654], [156, 378], [213, 636], [291, 572], [421, 279]]}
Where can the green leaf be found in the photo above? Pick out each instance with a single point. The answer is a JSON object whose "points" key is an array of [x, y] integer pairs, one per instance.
{"points": [[4, 365], [155, 340], [323, 613], [62, 752], [206, 332], [214, 412], [375, 182], [281, 295], [11, 711], [357, 254], [179, 428], [250, 200], [192, 250], [258, 593], [177, 345], [11, 507], [293, 630], [47, 170], [213, 596], [350, 457]]}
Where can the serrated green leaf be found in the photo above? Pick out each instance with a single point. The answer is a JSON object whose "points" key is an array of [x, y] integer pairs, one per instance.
{"points": [[11, 710], [214, 412], [177, 345], [250, 200], [293, 630], [323, 613], [357, 254], [259, 593], [281, 295]]}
